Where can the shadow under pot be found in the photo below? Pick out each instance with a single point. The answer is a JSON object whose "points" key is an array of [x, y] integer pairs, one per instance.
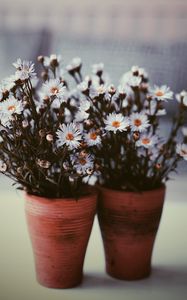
{"points": [[129, 223], [59, 231]]}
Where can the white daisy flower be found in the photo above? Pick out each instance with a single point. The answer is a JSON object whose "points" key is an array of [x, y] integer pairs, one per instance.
{"points": [[81, 116], [125, 89], [67, 115], [83, 86], [97, 68], [130, 80], [54, 88], [134, 81], [3, 166], [92, 138], [151, 111], [154, 153], [9, 83], [184, 131], [139, 71], [142, 72], [125, 103], [181, 149], [96, 90], [151, 152], [47, 60], [147, 141], [5, 121], [161, 93], [74, 64], [115, 122], [85, 104], [25, 69], [161, 112], [139, 122], [69, 135], [74, 93], [82, 163], [134, 69], [182, 97], [18, 63], [121, 89], [3, 90], [125, 78], [8, 108]]}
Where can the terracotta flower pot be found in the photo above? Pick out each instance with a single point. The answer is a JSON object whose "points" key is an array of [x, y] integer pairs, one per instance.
{"points": [[59, 231], [129, 222]]}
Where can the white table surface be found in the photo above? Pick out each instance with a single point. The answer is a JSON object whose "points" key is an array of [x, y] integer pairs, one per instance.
{"points": [[169, 275]]}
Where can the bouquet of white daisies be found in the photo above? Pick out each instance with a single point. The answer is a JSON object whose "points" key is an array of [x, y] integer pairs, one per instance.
{"points": [[125, 126], [42, 148], [56, 133]]}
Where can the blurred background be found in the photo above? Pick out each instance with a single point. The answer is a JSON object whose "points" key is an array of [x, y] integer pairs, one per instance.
{"points": [[148, 33]]}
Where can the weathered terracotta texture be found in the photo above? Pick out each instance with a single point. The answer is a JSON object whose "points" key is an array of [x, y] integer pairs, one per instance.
{"points": [[129, 223], [59, 231]]}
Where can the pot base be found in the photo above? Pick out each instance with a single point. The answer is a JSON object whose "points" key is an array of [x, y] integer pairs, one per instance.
{"points": [[129, 223], [58, 284], [59, 231], [128, 277]]}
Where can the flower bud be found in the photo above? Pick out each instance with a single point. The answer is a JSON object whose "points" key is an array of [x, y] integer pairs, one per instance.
{"points": [[42, 133], [66, 165], [54, 63], [3, 166], [136, 135], [49, 137], [83, 153], [40, 59], [79, 172], [71, 179], [43, 163], [158, 166], [111, 89], [25, 123], [44, 75], [89, 171], [19, 170]]}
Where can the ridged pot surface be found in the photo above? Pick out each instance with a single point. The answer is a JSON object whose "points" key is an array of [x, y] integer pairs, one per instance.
{"points": [[59, 231], [129, 223]]}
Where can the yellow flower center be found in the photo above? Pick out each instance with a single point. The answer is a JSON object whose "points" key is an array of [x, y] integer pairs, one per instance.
{"points": [[54, 90], [116, 124], [159, 93], [82, 161], [93, 136], [70, 137], [137, 122], [145, 141], [12, 108]]}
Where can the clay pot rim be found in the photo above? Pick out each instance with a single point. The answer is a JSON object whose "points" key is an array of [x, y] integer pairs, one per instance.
{"points": [[92, 192], [140, 193]]}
